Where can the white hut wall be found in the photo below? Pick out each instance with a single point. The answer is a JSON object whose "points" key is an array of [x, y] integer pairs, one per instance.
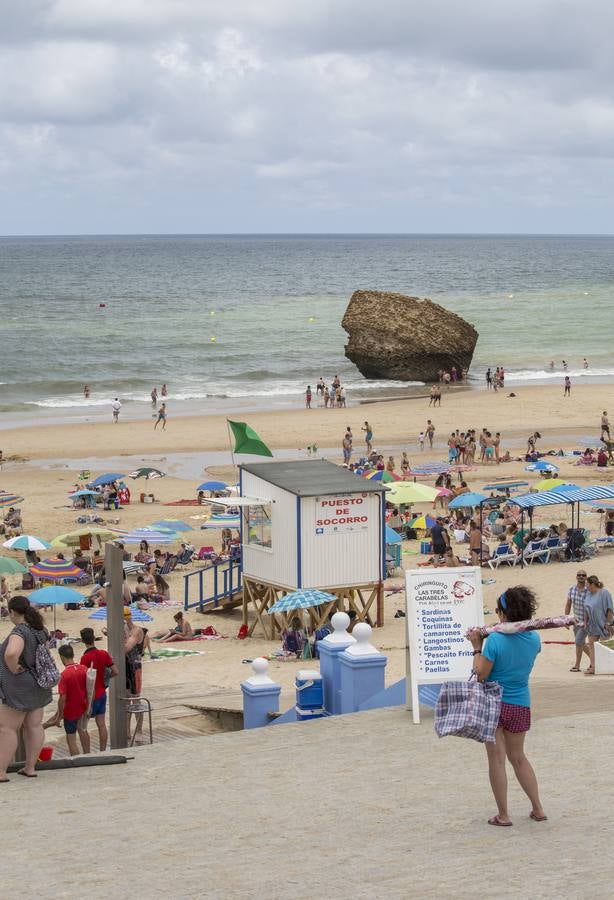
{"points": [[341, 542], [277, 565]]}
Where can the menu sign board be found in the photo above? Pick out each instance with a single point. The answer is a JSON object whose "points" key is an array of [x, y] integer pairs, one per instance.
{"points": [[442, 604]]}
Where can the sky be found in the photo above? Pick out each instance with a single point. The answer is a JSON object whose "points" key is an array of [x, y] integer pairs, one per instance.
{"points": [[202, 116]]}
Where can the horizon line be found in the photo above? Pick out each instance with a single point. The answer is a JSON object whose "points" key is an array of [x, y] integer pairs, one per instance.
{"points": [[294, 234]]}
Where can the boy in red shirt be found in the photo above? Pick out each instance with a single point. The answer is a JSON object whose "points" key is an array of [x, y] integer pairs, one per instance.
{"points": [[95, 658], [72, 702]]}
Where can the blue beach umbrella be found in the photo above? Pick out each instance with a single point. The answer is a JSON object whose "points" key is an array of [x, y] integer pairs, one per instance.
{"points": [[83, 493], [300, 600], [470, 499], [541, 466], [27, 542], [392, 537], [55, 595], [138, 615], [109, 478], [212, 486], [505, 485]]}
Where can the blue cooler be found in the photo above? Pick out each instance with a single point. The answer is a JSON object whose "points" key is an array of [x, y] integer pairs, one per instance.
{"points": [[426, 547], [309, 693]]}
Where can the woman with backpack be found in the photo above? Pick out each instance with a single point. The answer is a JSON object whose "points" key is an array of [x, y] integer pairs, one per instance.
{"points": [[25, 663]]}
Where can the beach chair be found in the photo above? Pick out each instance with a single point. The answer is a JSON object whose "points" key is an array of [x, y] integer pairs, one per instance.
{"points": [[556, 546], [168, 566], [536, 551], [184, 559], [503, 554]]}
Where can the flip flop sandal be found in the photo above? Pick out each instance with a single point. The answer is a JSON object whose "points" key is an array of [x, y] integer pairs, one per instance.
{"points": [[575, 669], [537, 818], [496, 821], [26, 774]]}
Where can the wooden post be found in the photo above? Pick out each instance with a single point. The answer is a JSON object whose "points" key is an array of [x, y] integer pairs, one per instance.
{"points": [[115, 631]]}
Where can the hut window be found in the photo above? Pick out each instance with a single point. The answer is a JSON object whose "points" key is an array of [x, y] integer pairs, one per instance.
{"points": [[259, 525]]}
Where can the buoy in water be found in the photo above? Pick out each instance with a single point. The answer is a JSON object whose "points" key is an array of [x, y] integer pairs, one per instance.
{"points": [[312, 318], [212, 312], [510, 296], [213, 340], [102, 305]]}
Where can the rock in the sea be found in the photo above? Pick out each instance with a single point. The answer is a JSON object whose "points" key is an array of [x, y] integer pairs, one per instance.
{"points": [[405, 338]]}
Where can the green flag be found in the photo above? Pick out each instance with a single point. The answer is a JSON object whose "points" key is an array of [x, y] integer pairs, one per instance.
{"points": [[247, 441]]}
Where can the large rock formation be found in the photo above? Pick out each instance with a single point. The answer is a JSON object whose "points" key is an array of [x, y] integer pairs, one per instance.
{"points": [[405, 338]]}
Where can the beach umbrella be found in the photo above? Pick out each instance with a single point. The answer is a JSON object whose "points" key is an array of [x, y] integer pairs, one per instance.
{"points": [[429, 469], [73, 538], [444, 492], [83, 493], [381, 475], [222, 522], [55, 595], [109, 478], [423, 523], [304, 599], [9, 499], [541, 466], [147, 472], [410, 492], [392, 536], [171, 525], [469, 499], [212, 486], [56, 570], [138, 615], [151, 535], [26, 542], [10, 566], [555, 484]]}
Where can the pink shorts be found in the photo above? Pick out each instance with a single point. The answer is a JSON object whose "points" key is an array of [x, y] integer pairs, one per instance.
{"points": [[515, 719]]}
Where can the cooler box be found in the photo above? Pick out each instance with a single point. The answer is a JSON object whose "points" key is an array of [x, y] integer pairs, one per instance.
{"points": [[426, 547], [309, 693], [305, 715]]}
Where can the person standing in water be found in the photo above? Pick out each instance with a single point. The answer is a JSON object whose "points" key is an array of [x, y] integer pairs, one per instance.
{"points": [[154, 397], [86, 391], [116, 406]]}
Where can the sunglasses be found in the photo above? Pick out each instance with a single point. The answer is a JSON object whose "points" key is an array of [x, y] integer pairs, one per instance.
{"points": [[581, 575]]}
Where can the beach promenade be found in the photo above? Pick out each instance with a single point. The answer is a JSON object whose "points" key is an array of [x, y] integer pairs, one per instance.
{"points": [[365, 805]]}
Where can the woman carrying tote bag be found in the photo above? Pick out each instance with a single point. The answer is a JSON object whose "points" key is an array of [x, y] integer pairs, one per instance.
{"points": [[508, 659]]}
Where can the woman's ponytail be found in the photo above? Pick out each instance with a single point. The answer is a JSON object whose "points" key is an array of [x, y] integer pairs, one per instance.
{"points": [[23, 607]]}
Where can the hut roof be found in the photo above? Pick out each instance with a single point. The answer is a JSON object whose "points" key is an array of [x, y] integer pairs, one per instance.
{"points": [[313, 478]]}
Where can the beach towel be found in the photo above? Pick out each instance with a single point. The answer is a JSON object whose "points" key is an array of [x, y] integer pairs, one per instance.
{"points": [[519, 627], [168, 653]]}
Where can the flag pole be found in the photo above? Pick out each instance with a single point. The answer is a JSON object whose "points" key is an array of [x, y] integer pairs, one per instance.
{"points": [[232, 455]]}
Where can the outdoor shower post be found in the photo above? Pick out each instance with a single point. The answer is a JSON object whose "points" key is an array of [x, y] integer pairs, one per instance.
{"points": [[114, 571]]}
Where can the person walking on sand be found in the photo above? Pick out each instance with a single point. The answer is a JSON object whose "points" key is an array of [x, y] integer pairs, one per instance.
{"points": [[605, 424], [598, 617], [433, 395], [161, 417], [368, 436], [116, 406], [508, 659], [567, 389], [576, 597], [347, 445]]}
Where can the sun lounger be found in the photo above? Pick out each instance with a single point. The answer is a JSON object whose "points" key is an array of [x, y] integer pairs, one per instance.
{"points": [[536, 550], [503, 554]]}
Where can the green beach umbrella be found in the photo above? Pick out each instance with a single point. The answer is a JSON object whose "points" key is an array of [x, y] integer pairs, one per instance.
{"points": [[11, 566]]}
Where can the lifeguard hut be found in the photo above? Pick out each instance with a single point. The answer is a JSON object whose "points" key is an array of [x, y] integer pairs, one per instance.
{"points": [[311, 524]]}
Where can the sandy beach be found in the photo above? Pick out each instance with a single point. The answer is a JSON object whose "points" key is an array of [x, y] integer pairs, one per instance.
{"points": [[55, 451]]}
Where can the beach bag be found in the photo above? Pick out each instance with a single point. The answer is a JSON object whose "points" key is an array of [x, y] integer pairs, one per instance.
{"points": [[468, 709], [45, 670]]}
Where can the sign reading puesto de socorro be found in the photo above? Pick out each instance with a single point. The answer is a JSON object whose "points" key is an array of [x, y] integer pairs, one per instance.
{"points": [[441, 605], [335, 515]]}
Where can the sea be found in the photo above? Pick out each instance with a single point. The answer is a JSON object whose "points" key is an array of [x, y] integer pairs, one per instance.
{"points": [[234, 323]]}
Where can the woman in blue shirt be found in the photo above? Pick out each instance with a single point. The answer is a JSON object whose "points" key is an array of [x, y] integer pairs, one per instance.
{"points": [[508, 659]]}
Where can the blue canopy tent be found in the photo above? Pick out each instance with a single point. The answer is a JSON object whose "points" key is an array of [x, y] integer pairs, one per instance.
{"points": [[554, 497]]}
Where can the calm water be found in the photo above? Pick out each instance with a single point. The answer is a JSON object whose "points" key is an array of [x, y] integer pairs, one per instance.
{"points": [[235, 322]]}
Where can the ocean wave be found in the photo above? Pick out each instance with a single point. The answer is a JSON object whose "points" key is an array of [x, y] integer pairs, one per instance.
{"points": [[68, 403], [550, 375]]}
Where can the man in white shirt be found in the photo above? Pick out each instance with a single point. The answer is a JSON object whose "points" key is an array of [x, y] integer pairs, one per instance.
{"points": [[116, 406]]}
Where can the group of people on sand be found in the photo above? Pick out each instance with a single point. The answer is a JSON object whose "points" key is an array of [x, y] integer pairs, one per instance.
{"points": [[495, 380], [333, 397]]}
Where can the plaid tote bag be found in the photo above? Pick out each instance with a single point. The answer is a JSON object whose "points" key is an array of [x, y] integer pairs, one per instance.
{"points": [[469, 709]]}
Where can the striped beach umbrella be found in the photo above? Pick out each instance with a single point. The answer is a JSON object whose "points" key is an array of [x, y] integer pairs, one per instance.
{"points": [[382, 475], [26, 542], [541, 465], [222, 522], [9, 499], [300, 600], [147, 472], [423, 522], [56, 570], [138, 615], [151, 535], [171, 525]]}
